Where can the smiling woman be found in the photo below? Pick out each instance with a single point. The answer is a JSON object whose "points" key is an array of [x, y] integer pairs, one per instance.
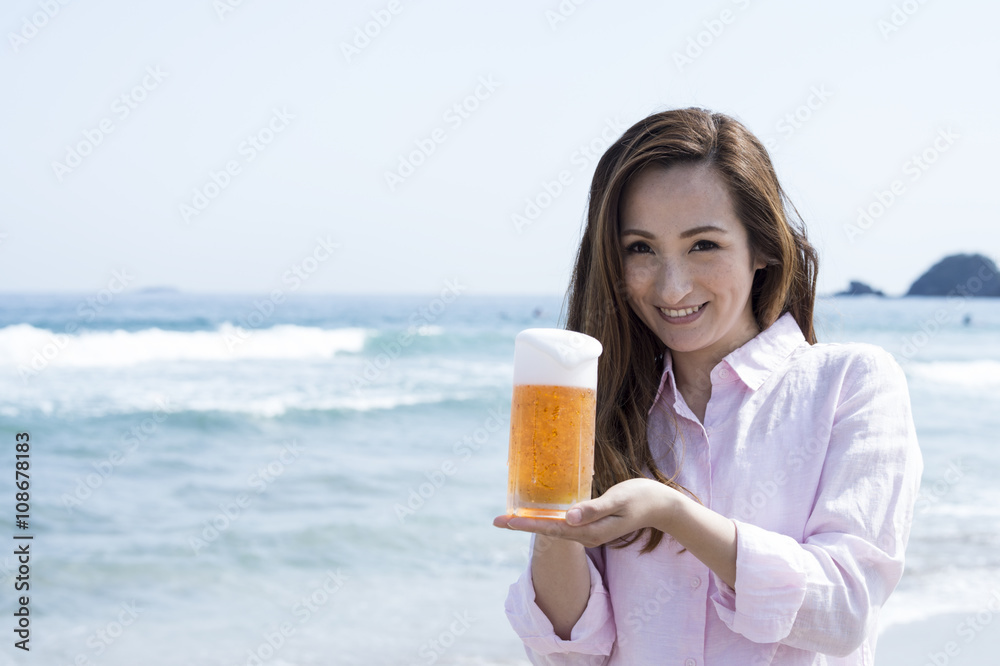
{"points": [[688, 266], [700, 284]]}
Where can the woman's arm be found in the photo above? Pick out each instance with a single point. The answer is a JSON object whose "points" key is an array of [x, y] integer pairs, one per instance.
{"points": [[561, 578], [709, 536], [586, 635]]}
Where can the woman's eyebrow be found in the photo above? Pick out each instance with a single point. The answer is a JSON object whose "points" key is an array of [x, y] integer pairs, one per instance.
{"points": [[693, 231], [638, 232]]}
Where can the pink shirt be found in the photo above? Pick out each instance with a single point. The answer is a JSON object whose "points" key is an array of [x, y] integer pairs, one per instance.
{"points": [[811, 451]]}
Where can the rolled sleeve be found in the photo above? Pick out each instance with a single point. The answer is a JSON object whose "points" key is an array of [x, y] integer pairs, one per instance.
{"points": [[593, 634], [770, 585]]}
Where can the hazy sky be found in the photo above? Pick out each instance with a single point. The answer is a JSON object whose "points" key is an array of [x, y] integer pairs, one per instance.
{"points": [[215, 147]]}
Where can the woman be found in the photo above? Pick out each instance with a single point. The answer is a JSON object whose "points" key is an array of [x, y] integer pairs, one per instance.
{"points": [[753, 489]]}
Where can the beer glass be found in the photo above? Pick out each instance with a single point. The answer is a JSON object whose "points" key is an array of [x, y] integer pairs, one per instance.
{"points": [[551, 456]]}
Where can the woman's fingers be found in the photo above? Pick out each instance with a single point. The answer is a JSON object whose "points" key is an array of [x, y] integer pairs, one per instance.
{"points": [[554, 528], [549, 527], [584, 513], [590, 535]]}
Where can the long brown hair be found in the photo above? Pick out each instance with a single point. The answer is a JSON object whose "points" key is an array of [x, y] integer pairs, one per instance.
{"points": [[631, 366]]}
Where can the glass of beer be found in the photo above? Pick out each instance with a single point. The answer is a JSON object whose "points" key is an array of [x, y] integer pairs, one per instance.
{"points": [[551, 457]]}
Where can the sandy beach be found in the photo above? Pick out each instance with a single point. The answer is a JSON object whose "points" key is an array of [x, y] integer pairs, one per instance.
{"points": [[956, 639]]}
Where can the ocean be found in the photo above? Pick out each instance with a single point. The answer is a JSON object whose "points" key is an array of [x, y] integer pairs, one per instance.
{"points": [[237, 480]]}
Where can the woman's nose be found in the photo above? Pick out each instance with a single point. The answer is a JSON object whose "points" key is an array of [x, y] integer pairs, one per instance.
{"points": [[673, 282]]}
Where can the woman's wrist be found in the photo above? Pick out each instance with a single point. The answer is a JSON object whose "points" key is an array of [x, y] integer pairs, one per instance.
{"points": [[555, 546], [707, 535], [663, 508]]}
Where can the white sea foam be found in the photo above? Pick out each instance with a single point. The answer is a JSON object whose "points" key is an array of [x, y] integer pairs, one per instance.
{"points": [[947, 591], [33, 347], [977, 374], [268, 398], [278, 405], [964, 510]]}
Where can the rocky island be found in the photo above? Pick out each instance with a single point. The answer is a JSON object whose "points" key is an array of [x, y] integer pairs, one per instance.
{"points": [[965, 274], [860, 289], [962, 274]]}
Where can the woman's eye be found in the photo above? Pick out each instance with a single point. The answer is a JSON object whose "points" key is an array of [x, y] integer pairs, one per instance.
{"points": [[704, 245], [638, 247]]}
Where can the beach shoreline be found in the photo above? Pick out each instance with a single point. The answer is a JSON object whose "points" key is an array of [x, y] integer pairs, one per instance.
{"points": [[970, 638]]}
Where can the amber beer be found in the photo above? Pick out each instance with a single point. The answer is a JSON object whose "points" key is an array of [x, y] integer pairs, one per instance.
{"points": [[553, 408]]}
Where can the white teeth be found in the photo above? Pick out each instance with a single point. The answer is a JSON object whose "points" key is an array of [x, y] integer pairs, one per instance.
{"points": [[680, 313]]}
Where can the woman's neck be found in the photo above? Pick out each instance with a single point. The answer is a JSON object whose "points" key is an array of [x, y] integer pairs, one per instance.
{"points": [[693, 369], [692, 372]]}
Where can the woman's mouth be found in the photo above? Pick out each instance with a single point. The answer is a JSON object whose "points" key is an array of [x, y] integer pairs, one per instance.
{"points": [[682, 315]]}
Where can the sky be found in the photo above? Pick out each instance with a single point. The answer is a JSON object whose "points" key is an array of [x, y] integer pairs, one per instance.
{"points": [[394, 146]]}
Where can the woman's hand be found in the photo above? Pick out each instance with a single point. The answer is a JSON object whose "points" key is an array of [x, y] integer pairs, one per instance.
{"points": [[637, 503], [624, 508]]}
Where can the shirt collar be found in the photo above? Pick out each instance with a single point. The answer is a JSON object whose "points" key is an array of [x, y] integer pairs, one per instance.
{"points": [[754, 361]]}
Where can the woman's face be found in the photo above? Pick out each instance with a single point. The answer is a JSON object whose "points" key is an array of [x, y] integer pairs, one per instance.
{"points": [[688, 269]]}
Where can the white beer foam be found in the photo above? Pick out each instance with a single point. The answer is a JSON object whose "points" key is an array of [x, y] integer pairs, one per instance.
{"points": [[556, 357]]}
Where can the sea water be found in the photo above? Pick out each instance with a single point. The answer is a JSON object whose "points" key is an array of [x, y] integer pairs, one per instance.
{"points": [[229, 480]]}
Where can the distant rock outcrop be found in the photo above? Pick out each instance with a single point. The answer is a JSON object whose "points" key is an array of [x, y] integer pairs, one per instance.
{"points": [[965, 274], [158, 290], [859, 289]]}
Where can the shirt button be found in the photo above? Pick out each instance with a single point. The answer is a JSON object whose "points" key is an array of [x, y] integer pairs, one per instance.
{"points": [[724, 373], [695, 582], [690, 662]]}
